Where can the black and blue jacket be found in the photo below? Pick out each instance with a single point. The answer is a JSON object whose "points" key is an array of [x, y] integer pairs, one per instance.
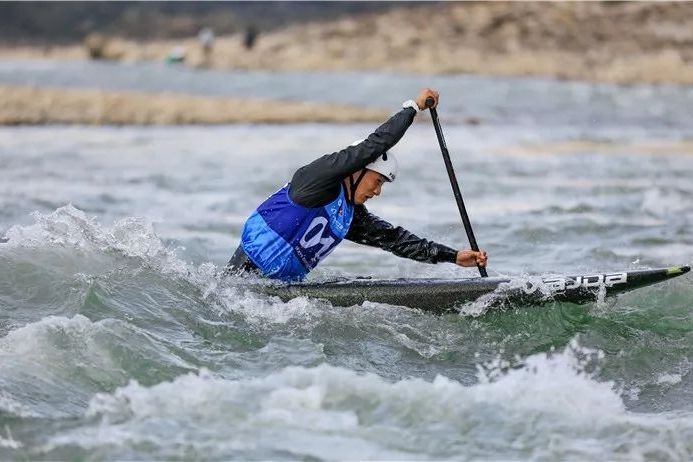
{"points": [[299, 225]]}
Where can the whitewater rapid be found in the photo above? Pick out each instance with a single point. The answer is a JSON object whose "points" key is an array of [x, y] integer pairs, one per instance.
{"points": [[120, 339], [136, 352]]}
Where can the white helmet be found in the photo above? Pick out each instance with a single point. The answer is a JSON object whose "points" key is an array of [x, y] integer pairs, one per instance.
{"points": [[386, 164]]}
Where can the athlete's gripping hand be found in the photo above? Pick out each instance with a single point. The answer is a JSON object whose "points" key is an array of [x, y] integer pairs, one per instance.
{"points": [[424, 95], [471, 258]]}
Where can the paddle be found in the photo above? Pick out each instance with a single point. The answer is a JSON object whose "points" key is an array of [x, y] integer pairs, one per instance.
{"points": [[453, 182]]}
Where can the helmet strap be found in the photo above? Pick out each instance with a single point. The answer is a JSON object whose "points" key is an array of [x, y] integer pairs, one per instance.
{"points": [[355, 184]]}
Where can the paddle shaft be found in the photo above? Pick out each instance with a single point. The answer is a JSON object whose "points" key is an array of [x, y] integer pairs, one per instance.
{"points": [[453, 182]]}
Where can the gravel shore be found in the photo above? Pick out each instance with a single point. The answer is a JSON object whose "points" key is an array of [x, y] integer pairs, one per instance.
{"points": [[620, 42], [20, 105]]}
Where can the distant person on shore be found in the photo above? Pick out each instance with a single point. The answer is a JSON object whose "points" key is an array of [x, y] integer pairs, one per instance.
{"points": [[206, 39], [299, 225], [250, 37]]}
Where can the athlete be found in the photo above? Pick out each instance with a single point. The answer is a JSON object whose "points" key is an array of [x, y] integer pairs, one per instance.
{"points": [[299, 225]]}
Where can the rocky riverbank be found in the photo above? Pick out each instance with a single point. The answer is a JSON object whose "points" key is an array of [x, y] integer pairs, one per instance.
{"points": [[21, 105], [622, 42]]}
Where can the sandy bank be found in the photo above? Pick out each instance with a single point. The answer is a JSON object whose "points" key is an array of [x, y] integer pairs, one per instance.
{"points": [[29, 105], [576, 147], [621, 42]]}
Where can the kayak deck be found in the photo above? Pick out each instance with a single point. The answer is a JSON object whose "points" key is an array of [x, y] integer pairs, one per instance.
{"points": [[441, 295]]}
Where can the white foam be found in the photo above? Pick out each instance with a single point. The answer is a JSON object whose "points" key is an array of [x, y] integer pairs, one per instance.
{"points": [[135, 240], [548, 408], [11, 406], [259, 309], [70, 227], [30, 339], [9, 442], [554, 382], [498, 299], [668, 379]]}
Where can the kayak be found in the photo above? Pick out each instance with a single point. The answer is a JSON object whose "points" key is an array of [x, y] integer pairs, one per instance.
{"points": [[440, 295]]}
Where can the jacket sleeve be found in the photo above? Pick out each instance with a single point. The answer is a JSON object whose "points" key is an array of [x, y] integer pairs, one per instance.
{"points": [[317, 183], [368, 229]]}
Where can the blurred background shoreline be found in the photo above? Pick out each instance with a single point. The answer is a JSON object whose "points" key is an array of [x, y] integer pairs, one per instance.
{"points": [[608, 42]]}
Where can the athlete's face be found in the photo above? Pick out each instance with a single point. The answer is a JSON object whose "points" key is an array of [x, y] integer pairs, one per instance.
{"points": [[370, 186]]}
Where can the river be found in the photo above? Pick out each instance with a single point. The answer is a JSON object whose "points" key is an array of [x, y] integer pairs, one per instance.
{"points": [[119, 339]]}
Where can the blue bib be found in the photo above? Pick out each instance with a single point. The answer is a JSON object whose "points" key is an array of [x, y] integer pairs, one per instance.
{"points": [[286, 240]]}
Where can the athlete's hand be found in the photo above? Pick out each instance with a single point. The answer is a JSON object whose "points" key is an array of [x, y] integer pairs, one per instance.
{"points": [[471, 258], [425, 94]]}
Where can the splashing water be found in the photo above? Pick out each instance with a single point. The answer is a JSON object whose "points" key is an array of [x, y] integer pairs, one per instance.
{"points": [[119, 339]]}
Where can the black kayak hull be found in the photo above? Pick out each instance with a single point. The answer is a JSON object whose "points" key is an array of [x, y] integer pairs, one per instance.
{"points": [[441, 295]]}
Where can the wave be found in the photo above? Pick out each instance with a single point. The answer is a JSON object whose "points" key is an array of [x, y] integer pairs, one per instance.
{"points": [[52, 368], [551, 407], [66, 264], [69, 227], [87, 308]]}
